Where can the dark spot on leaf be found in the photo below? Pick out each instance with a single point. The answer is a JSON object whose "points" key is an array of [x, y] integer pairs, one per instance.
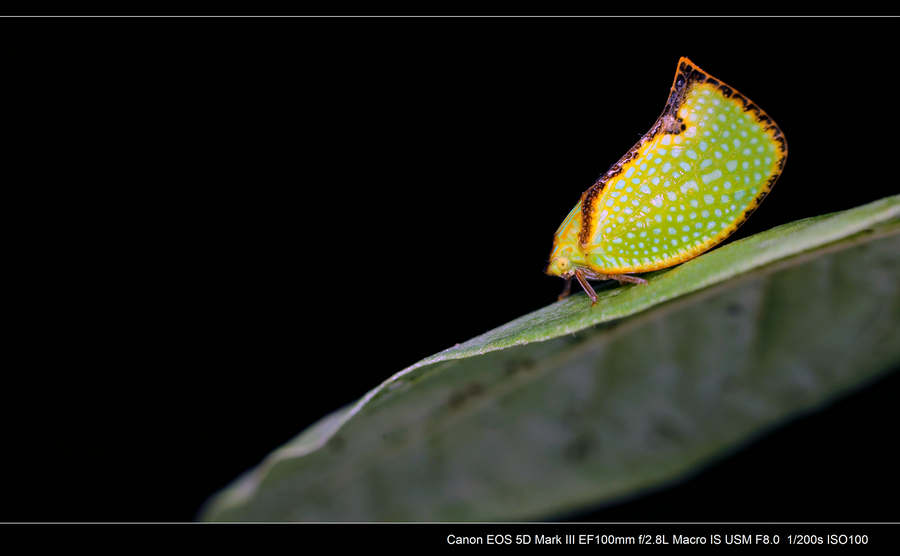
{"points": [[513, 366], [580, 448], [734, 309], [459, 398], [664, 432]]}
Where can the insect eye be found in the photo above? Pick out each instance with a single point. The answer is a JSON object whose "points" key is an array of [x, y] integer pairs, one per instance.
{"points": [[562, 263]]}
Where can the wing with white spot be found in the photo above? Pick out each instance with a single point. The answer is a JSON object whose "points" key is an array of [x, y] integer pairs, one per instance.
{"points": [[690, 182]]}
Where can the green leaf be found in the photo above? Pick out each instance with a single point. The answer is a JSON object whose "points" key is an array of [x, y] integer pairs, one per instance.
{"points": [[572, 406]]}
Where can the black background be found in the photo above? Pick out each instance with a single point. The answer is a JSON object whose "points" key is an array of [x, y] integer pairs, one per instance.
{"points": [[223, 229]]}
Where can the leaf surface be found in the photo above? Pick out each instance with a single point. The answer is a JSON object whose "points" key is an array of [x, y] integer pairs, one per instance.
{"points": [[572, 406]]}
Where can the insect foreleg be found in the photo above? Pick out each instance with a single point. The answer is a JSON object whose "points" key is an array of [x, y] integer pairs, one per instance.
{"points": [[566, 290]]}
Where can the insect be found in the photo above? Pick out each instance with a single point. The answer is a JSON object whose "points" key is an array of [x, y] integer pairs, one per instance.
{"points": [[688, 184]]}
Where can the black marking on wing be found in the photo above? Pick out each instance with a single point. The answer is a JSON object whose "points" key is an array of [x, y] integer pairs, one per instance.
{"points": [[687, 76]]}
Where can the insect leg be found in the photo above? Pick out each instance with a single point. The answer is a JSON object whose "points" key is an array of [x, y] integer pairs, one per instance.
{"points": [[566, 289], [587, 287], [622, 278]]}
